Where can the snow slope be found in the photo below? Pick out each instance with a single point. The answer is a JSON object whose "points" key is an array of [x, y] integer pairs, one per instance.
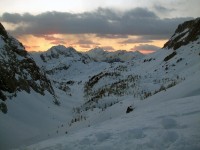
{"points": [[32, 118], [27, 99], [163, 121]]}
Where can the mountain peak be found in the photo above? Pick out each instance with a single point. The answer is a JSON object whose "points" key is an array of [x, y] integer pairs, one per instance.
{"points": [[58, 47], [61, 48], [187, 32], [62, 53]]}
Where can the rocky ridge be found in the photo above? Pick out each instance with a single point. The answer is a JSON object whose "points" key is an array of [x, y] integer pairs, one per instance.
{"points": [[187, 32], [19, 71]]}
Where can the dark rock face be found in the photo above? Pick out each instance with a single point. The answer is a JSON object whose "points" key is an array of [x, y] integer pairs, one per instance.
{"points": [[170, 56], [3, 107], [18, 71], [187, 32], [129, 109]]}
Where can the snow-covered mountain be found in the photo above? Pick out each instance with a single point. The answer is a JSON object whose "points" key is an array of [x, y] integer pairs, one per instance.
{"points": [[99, 54], [59, 53], [18, 71], [27, 98], [67, 68], [161, 90], [185, 33]]}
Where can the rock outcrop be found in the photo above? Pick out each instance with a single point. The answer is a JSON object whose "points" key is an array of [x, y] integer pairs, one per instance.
{"points": [[18, 71], [187, 32]]}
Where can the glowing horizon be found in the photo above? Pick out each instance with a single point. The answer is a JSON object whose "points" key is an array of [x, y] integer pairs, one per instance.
{"points": [[33, 43], [112, 24]]}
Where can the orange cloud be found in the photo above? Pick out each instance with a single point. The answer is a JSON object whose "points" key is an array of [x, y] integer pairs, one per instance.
{"points": [[58, 42], [33, 43], [108, 48], [146, 51], [85, 46], [31, 47], [81, 42]]}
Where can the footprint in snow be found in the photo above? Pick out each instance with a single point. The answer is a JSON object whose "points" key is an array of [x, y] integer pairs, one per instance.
{"points": [[133, 134], [169, 123]]}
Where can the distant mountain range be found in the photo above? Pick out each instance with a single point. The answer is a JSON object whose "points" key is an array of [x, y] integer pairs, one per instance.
{"points": [[100, 54]]}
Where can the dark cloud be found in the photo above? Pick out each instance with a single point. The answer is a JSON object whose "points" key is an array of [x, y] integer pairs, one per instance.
{"points": [[156, 37], [145, 39], [112, 36], [163, 9], [11, 18], [145, 47], [138, 21], [136, 40]]}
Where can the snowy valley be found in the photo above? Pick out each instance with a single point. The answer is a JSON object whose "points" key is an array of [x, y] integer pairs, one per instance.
{"points": [[62, 99]]}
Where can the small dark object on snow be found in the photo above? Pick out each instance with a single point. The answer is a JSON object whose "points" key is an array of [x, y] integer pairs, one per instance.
{"points": [[129, 109], [3, 108]]}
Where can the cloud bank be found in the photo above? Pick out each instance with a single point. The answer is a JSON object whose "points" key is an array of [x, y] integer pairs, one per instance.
{"points": [[145, 47], [137, 21]]}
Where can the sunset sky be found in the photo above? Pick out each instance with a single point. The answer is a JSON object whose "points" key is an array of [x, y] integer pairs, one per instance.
{"points": [[142, 25]]}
